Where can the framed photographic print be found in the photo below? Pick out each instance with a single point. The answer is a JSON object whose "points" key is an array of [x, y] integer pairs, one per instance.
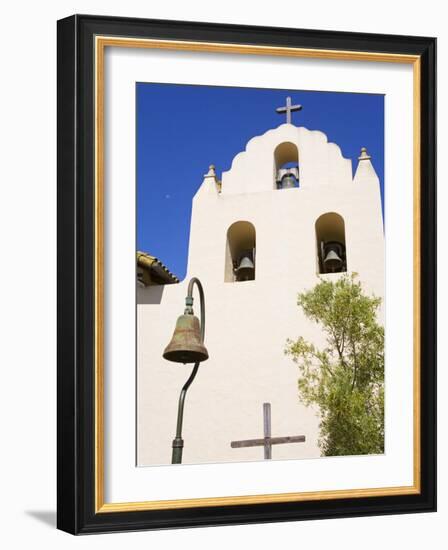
{"points": [[246, 268]]}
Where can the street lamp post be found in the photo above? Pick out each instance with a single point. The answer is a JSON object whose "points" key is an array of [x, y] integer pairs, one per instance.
{"points": [[187, 346]]}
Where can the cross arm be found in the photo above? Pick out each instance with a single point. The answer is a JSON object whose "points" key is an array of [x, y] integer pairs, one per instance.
{"points": [[271, 440]]}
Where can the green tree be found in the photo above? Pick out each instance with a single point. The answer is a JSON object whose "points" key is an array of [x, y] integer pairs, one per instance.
{"points": [[345, 379]]}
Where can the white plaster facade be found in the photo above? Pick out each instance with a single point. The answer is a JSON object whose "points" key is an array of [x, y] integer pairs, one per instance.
{"points": [[248, 323]]}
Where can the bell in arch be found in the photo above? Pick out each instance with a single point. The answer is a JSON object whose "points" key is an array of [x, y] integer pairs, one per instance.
{"points": [[287, 178], [289, 181], [186, 345], [245, 270], [333, 253]]}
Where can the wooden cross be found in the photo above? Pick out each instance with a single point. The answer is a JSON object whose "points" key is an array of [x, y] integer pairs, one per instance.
{"points": [[267, 441], [288, 109]]}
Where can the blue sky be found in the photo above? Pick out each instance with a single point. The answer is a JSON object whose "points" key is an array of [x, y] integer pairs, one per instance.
{"points": [[183, 129]]}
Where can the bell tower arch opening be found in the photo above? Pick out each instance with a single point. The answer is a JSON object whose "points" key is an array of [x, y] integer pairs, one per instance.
{"points": [[240, 252], [330, 241], [286, 166]]}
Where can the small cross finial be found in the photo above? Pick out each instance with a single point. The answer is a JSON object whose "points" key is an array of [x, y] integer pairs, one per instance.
{"points": [[288, 109]]}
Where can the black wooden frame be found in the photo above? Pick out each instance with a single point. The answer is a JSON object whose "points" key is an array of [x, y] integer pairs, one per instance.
{"points": [[75, 476]]}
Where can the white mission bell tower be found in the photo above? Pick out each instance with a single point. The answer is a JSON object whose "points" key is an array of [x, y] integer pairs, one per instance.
{"points": [[287, 212]]}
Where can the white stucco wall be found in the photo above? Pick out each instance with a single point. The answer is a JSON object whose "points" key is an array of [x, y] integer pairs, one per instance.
{"points": [[248, 323]]}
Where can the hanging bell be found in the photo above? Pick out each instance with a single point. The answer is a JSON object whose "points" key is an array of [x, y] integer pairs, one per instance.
{"points": [[186, 345], [289, 181], [246, 268], [333, 260]]}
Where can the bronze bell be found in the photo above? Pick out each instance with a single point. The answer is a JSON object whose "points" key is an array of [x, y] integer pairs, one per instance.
{"points": [[186, 345], [246, 269], [289, 181], [333, 253]]}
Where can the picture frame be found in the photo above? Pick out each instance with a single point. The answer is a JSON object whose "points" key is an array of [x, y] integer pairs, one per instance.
{"points": [[82, 194]]}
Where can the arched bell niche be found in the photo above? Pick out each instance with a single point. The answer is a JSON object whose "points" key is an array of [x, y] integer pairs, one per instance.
{"points": [[240, 252], [330, 243], [286, 166]]}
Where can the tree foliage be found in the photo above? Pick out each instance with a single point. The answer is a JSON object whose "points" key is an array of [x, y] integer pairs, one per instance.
{"points": [[345, 379]]}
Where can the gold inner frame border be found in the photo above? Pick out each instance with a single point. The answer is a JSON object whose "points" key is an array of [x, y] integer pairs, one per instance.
{"points": [[100, 44]]}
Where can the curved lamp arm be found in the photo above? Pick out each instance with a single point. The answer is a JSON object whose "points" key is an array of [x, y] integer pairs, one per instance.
{"points": [[178, 442]]}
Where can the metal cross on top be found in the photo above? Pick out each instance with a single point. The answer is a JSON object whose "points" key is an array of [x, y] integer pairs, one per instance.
{"points": [[267, 441], [288, 109]]}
